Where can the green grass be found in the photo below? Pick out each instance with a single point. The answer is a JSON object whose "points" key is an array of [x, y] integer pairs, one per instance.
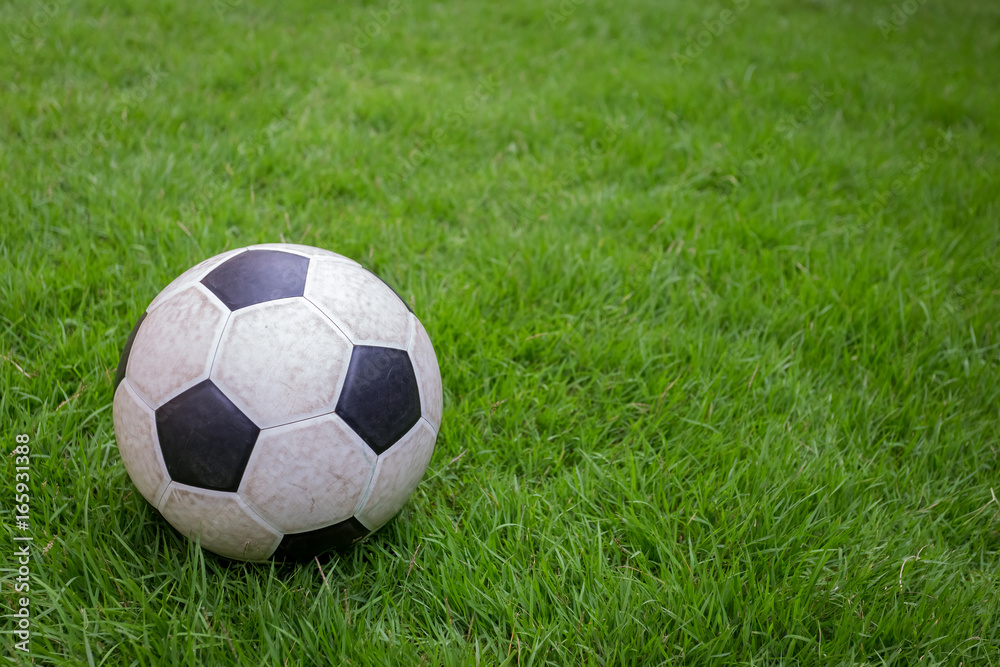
{"points": [[718, 332]]}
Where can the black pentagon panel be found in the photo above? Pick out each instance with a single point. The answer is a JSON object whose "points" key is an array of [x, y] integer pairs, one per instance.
{"points": [[312, 543], [380, 399], [257, 276], [205, 439], [398, 296], [127, 350]]}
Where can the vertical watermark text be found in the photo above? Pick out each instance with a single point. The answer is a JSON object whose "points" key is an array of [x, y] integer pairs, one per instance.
{"points": [[22, 541]]}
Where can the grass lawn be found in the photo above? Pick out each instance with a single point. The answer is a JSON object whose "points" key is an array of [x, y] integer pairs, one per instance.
{"points": [[713, 286]]}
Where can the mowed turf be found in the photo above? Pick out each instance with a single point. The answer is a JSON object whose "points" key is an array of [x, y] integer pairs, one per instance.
{"points": [[714, 288]]}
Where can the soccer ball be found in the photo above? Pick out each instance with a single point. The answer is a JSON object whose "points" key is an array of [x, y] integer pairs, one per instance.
{"points": [[277, 401]]}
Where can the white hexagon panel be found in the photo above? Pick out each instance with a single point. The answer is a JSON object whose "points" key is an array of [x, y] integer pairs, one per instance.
{"points": [[221, 521], [307, 474], [397, 474], [362, 306], [268, 375], [175, 347], [135, 424], [277, 401], [425, 367]]}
